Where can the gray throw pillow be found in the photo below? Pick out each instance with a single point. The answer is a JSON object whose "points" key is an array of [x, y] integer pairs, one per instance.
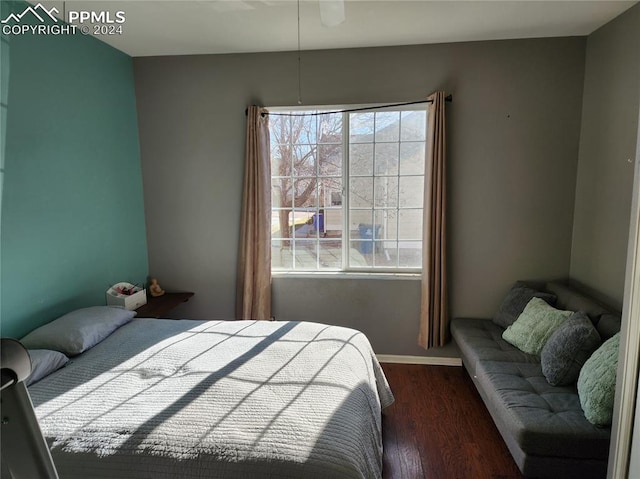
{"points": [[516, 300], [568, 349], [78, 330], [43, 363]]}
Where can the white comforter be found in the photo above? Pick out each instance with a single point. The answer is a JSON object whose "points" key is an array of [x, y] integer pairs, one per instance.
{"points": [[217, 399]]}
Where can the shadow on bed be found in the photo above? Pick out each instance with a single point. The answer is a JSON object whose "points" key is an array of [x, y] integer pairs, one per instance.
{"points": [[120, 347], [233, 405]]}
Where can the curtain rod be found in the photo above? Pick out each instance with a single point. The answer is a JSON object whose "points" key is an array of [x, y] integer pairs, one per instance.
{"points": [[448, 98]]}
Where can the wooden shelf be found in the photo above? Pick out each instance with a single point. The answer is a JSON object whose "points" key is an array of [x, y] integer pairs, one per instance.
{"points": [[161, 306]]}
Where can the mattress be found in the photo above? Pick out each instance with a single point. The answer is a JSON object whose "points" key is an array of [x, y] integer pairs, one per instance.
{"points": [[217, 399]]}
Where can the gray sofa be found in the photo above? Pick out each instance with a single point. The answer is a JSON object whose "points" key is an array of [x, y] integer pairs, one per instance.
{"points": [[543, 425]]}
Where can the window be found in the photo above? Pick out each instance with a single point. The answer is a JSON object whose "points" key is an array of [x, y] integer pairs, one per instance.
{"points": [[347, 189]]}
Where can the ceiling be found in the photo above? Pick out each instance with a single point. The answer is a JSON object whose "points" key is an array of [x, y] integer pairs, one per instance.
{"points": [[181, 27]]}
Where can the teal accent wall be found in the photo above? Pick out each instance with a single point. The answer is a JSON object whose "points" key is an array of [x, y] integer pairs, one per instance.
{"points": [[4, 89], [72, 207]]}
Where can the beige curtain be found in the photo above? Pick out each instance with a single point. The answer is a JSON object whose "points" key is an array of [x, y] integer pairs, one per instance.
{"points": [[433, 309], [253, 296]]}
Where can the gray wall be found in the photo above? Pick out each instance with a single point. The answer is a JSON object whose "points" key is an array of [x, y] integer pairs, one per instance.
{"points": [[513, 145], [607, 149]]}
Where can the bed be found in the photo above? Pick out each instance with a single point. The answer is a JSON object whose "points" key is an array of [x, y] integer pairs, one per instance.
{"points": [[217, 399]]}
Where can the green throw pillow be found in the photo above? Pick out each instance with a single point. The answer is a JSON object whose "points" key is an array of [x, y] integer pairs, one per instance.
{"points": [[535, 326], [597, 383]]}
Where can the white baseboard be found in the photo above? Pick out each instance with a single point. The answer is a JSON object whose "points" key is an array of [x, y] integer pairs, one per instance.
{"points": [[430, 361]]}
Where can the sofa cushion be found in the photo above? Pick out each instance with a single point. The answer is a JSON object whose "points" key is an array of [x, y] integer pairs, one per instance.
{"points": [[544, 420], [569, 298], [597, 382], [481, 340], [608, 325], [516, 300], [535, 326], [568, 349]]}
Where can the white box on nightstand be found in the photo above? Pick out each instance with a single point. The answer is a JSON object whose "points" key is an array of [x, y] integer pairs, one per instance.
{"points": [[127, 301]]}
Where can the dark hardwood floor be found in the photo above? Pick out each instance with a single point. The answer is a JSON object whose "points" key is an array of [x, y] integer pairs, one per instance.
{"points": [[439, 428]]}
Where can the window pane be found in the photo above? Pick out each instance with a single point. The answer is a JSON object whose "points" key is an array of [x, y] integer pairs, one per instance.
{"points": [[366, 233], [330, 192], [384, 253], [412, 158], [388, 222], [361, 127], [386, 159], [302, 224], [387, 126], [280, 129], [281, 192], [411, 193], [306, 257], [410, 254], [330, 254], [358, 217], [276, 159], [386, 191], [306, 193], [331, 223], [414, 126], [361, 192], [357, 259], [336, 198], [330, 128], [410, 224], [361, 159], [281, 257], [304, 129], [281, 159], [304, 160], [330, 160], [280, 224]]}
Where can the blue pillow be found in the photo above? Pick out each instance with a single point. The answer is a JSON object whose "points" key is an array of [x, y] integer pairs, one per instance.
{"points": [[79, 330], [43, 363]]}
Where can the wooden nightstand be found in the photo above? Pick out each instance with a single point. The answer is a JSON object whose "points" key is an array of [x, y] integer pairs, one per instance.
{"points": [[159, 307]]}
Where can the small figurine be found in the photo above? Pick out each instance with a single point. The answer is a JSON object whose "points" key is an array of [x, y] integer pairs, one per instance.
{"points": [[155, 289]]}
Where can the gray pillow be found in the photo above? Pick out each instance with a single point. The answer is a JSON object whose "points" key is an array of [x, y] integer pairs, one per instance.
{"points": [[516, 300], [79, 330], [568, 349], [43, 363]]}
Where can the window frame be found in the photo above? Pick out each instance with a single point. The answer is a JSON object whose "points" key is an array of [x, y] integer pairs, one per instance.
{"points": [[347, 270]]}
